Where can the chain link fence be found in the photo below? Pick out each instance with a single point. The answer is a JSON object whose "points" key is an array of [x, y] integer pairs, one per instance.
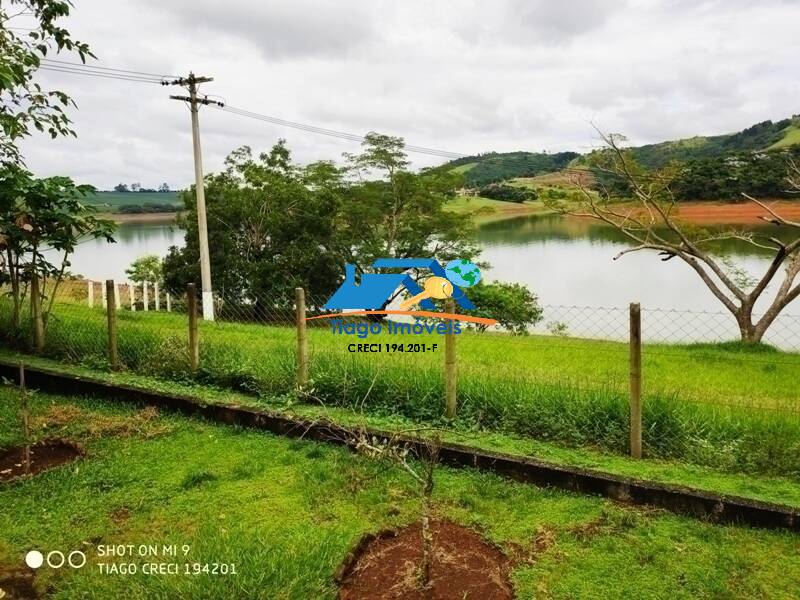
{"points": [[706, 398]]}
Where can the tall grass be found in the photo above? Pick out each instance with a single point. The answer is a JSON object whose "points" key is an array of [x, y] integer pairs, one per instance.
{"points": [[564, 390]]}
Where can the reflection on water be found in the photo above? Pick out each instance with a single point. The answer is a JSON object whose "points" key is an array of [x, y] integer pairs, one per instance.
{"points": [[99, 260]]}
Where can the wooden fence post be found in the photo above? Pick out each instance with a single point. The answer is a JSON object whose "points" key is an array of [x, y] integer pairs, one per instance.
{"points": [[155, 295], [145, 299], [90, 293], [169, 303], [132, 296], [117, 304], [111, 311], [302, 340], [194, 338], [636, 379], [450, 367], [36, 314]]}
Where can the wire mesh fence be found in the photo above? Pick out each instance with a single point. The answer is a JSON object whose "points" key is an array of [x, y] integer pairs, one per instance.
{"points": [[706, 398]]}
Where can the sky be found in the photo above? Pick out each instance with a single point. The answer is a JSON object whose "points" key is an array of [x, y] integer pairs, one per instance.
{"points": [[464, 76]]}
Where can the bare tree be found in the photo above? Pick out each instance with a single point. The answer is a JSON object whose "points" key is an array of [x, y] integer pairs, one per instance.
{"points": [[650, 223], [420, 463]]}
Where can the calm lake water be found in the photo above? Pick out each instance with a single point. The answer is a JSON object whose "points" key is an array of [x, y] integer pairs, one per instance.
{"points": [[567, 261]]}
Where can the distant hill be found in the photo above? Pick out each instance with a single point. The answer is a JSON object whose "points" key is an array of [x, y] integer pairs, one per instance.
{"points": [[135, 202], [717, 167], [762, 136], [494, 166]]}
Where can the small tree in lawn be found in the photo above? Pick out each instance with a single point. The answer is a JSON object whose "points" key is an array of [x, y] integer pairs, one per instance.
{"points": [[38, 214], [651, 224], [512, 305], [146, 268], [419, 462]]}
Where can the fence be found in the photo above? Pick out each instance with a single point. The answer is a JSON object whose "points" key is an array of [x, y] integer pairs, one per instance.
{"points": [[665, 384]]}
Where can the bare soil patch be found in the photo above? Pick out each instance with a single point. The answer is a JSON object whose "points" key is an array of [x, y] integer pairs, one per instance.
{"points": [[464, 567], [17, 584], [44, 455]]}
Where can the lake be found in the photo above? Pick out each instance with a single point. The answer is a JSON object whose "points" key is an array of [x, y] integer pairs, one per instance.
{"points": [[568, 262]]}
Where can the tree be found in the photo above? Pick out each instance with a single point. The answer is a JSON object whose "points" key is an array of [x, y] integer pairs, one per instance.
{"points": [[135, 187], [145, 268], [513, 305], [650, 223], [121, 187], [38, 214], [24, 105], [274, 226], [164, 187]]}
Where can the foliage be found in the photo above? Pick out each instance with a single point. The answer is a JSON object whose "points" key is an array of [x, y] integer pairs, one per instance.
{"points": [[274, 226], [513, 305], [39, 214], [24, 105], [508, 193], [145, 268]]}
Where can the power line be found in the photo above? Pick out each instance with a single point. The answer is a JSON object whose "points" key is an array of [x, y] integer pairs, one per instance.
{"points": [[333, 133], [83, 66], [56, 69]]}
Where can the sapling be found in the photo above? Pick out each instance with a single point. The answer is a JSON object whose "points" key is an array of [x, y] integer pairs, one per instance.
{"points": [[26, 415], [396, 450]]}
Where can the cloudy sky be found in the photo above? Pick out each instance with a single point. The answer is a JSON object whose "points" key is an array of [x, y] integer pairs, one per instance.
{"points": [[460, 75]]}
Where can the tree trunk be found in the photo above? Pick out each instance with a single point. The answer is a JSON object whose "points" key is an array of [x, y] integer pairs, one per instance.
{"points": [[750, 333], [36, 314]]}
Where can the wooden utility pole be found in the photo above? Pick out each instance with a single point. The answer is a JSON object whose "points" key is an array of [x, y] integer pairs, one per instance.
{"points": [[450, 367], [111, 312], [302, 343], [636, 380], [192, 82], [194, 338]]}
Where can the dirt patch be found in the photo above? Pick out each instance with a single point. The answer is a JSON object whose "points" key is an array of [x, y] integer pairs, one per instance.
{"points": [[17, 584], [464, 567], [44, 455], [84, 423]]}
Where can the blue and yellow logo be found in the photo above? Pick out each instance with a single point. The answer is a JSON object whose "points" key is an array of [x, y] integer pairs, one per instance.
{"points": [[374, 290]]}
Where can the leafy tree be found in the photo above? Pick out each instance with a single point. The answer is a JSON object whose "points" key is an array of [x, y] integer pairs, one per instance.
{"points": [[121, 187], [135, 187], [274, 226], [507, 193], [36, 214], [513, 305], [145, 268], [164, 187], [24, 105]]}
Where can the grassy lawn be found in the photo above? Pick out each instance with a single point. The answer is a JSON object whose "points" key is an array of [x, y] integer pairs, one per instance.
{"points": [[779, 490], [718, 406], [286, 512]]}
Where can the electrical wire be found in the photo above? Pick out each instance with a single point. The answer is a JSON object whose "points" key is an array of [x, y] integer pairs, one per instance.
{"points": [[58, 69], [331, 132], [83, 66]]}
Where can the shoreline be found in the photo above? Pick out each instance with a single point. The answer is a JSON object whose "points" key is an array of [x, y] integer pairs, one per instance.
{"points": [[700, 212], [141, 218]]}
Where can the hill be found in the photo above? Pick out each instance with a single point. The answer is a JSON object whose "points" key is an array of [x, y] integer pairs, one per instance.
{"points": [[767, 135], [494, 166], [135, 202]]}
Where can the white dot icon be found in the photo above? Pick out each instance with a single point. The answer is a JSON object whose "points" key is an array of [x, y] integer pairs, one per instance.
{"points": [[34, 559]]}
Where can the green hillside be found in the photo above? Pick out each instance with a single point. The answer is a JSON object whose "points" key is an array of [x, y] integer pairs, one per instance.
{"points": [[762, 136], [493, 166], [134, 202]]}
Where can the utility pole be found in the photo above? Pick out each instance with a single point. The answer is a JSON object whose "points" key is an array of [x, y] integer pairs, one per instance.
{"points": [[192, 82]]}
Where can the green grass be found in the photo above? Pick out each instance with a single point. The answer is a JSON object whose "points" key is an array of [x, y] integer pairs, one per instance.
{"points": [[779, 490], [723, 407], [463, 168], [286, 513], [791, 138]]}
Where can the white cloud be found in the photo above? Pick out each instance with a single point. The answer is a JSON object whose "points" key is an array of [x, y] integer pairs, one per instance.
{"points": [[464, 76]]}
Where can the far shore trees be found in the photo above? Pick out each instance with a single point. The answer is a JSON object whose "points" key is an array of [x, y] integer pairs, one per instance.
{"points": [[650, 223]]}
